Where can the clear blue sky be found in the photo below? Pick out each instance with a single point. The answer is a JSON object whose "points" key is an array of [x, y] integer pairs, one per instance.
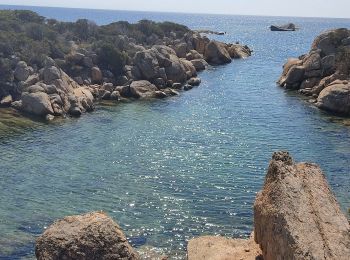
{"points": [[312, 8]]}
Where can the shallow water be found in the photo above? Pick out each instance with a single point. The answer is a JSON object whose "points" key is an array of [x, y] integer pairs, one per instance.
{"points": [[169, 170]]}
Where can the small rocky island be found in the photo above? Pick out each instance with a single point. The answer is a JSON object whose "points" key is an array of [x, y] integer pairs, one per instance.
{"points": [[296, 216], [50, 68], [324, 73], [283, 28]]}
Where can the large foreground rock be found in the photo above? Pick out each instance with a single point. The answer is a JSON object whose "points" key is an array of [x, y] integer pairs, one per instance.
{"points": [[92, 236], [296, 216], [221, 248]]}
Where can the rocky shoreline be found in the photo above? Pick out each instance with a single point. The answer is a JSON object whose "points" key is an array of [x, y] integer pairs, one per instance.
{"points": [[324, 73], [157, 66], [296, 216]]}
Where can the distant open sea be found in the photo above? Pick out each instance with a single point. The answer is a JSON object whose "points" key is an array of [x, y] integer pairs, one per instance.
{"points": [[172, 169]]}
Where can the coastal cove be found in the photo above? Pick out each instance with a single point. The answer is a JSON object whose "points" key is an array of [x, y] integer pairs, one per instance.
{"points": [[172, 169]]}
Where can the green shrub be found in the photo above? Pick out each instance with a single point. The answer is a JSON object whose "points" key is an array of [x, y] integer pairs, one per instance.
{"points": [[28, 16], [111, 58], [85, 29], [149, 27], [168, 27], [6, 73]]}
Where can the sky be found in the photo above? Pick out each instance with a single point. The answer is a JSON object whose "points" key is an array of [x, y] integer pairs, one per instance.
{"points": [[305, 8]]}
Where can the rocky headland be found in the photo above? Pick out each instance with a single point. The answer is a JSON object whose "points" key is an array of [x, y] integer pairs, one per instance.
{"points": [[50, 68], [296, 216], [324, 73]]}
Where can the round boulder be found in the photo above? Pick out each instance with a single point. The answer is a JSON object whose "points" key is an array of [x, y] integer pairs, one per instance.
{"points": [[50, 74], [194, 81], [216, 53], [96, 75], [199, 64], [335, 98], [36, 103], [90, 236], [22, 71]]}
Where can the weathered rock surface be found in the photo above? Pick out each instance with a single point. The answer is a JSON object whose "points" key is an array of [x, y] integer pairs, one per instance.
{"points": [[200, 43], [146, 61], [193, 54], [36, 103], [328, 61], [237, 51], [221, 248], [296, 216], [22, 71], [55, 94], [92, 236], [96, 75], [50, 74], [336, 97], [194, 81], [199, 64], [216, 53], [142, 89]]}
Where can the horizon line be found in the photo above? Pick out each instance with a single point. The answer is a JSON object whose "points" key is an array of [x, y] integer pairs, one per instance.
{"points": [[170, 12]]}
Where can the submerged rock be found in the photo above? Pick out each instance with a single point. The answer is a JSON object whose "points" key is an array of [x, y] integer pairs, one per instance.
{"points": [[296, 216], [92, 236]]}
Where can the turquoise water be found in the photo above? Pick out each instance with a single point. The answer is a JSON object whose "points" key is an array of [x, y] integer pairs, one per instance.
{"points": [[169, 170]]}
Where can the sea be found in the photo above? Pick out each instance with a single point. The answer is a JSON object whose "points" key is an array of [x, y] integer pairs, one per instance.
{"points": [[173, 169]]}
